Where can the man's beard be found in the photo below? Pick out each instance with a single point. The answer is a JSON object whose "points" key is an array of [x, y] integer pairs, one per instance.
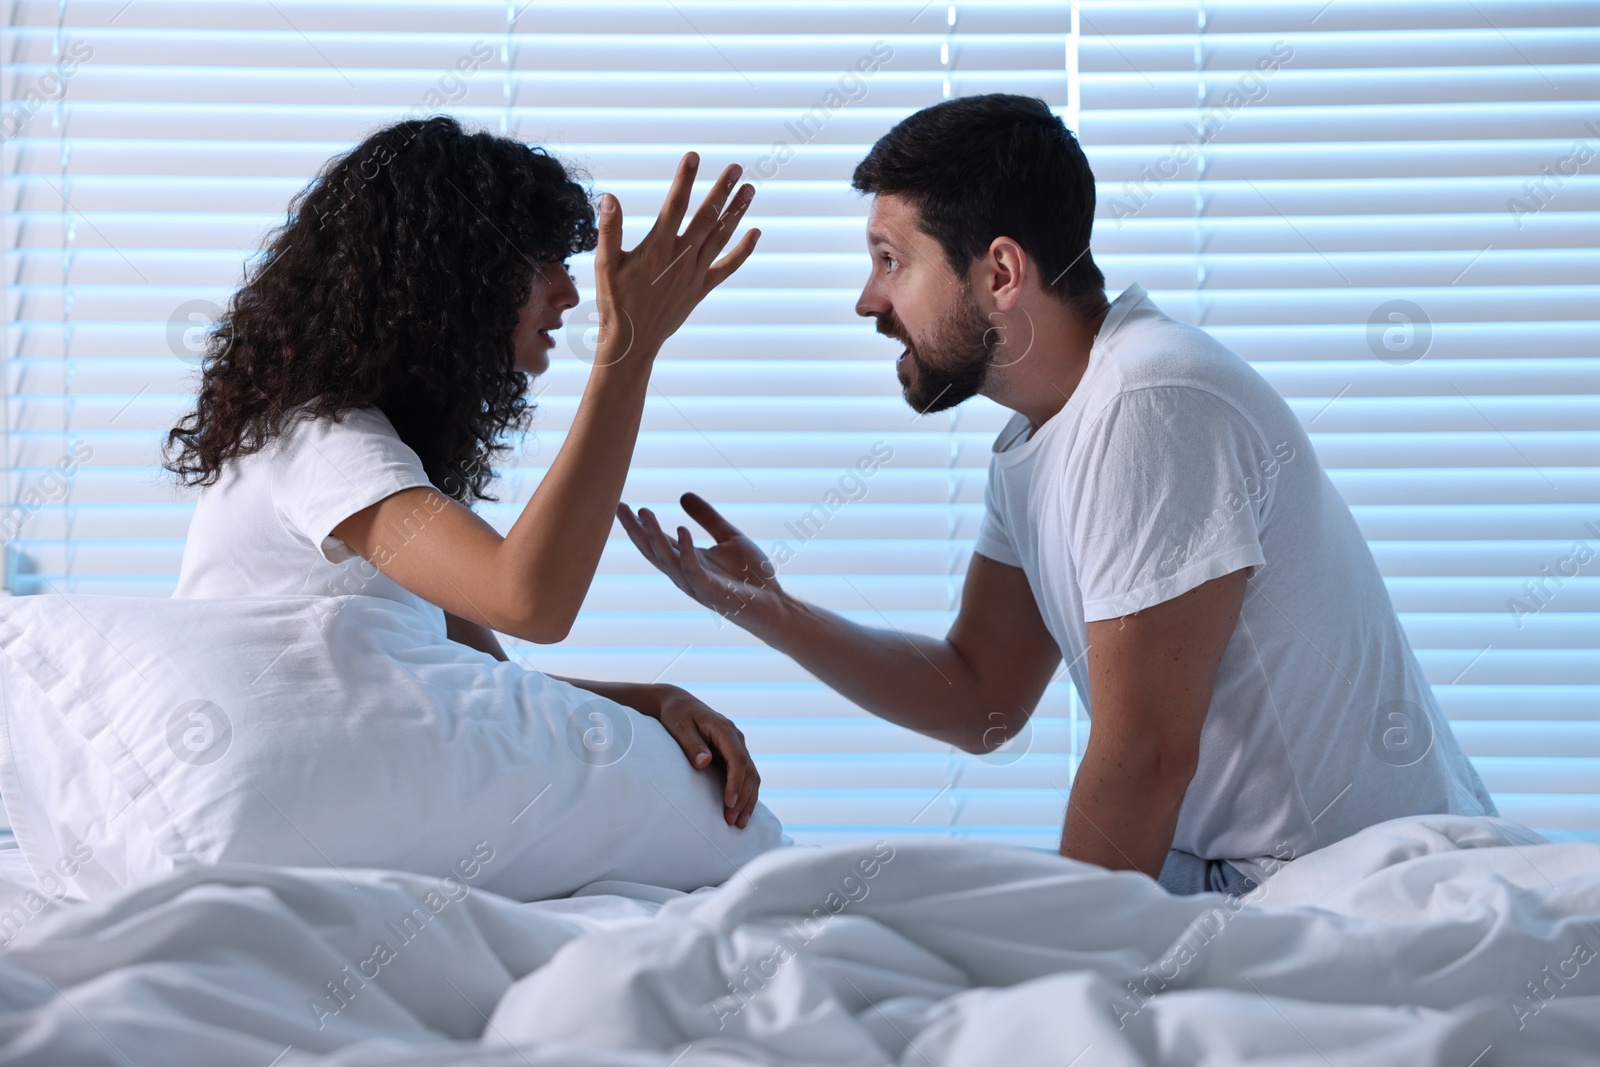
{"points": [[952, 365]]}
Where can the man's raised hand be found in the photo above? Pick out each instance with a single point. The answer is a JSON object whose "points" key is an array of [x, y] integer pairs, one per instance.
{"points": [[732, 577], [643, 296]]}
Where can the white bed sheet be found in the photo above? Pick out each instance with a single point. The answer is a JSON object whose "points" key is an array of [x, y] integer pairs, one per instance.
{"points": [[1435, 940], [21, 899], [15, 878]]}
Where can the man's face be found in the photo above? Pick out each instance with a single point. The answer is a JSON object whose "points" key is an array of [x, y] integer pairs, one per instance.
{"points": [[552, 293], [919, 301]]}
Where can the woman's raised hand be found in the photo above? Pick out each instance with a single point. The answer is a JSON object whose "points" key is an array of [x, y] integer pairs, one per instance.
{"points": [[643, 296]]}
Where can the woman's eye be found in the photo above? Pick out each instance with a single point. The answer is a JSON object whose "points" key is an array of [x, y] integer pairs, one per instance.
{"points": [[888, 262]]}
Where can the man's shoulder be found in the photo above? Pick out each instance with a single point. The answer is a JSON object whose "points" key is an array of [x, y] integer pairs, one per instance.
{"points": [[1157, 350], [1185, 365]]}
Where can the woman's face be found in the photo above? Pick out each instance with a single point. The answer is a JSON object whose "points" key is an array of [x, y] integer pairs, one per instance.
{"points": [[552, 293]]}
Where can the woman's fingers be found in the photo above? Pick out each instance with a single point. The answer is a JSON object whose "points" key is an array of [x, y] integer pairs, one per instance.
{"points": [[610, 230], [731, 791], [743, 783], [704, 736], [677, 201], [686, 732], [722, 233], [708, 738], [705, 219], [653, 288], [752, 793], [723, 268]]}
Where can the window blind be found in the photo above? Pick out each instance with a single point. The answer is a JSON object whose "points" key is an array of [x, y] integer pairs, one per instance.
{"points": [[1392, 210], [163, 139]]}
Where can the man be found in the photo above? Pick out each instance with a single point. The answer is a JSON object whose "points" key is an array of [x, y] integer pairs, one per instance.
{"points": [[1155, 515]]}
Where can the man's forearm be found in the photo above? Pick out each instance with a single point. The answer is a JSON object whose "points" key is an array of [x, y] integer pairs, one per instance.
{"points": [[913, 680]]}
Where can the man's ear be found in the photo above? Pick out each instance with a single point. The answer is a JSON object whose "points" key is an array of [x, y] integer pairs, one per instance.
{"points": [[1003, 272]]}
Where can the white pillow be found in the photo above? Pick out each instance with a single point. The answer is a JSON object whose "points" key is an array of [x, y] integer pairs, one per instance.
{"points": [[142, 734]]}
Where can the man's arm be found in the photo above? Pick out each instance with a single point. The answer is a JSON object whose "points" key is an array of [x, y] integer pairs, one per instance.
{"points": [[974, 688], [1150, 680]]}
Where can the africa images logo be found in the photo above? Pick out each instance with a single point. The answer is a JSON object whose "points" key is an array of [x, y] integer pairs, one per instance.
{"points": [[199, 732], [1402, 733], [599, 732]]}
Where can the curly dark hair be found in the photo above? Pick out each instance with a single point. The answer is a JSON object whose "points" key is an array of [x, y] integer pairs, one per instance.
{"points": [[396, 282]]}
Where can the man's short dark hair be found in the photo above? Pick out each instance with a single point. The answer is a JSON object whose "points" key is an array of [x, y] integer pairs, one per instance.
{"points": [[981, 167]]}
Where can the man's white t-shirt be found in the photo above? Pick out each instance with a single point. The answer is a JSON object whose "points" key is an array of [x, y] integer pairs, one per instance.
{"points": [[1175, 462], [265, 526]]}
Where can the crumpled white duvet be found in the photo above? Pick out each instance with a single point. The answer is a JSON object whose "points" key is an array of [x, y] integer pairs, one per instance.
{"points": [[1435, 940]]}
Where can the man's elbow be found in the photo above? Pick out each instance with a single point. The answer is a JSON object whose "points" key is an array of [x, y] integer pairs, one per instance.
{"points": [[1156, 770], [1170, 772]]}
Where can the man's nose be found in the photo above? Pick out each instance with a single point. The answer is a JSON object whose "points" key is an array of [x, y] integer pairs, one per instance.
{"points": [[870, 303]]}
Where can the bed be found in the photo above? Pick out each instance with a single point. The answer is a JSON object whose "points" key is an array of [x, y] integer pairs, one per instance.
{"points": [[1433, 940], [263, 832]]}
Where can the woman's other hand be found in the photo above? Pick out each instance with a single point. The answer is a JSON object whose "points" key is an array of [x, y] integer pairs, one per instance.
{"points": [[708, 738]]}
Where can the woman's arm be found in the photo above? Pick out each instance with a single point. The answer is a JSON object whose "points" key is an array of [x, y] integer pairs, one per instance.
{"points": [[703, 734], [531, 583], [473, 635]]}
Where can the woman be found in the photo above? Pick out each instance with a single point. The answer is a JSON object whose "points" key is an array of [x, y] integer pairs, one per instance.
{"points": [[361, 379]]}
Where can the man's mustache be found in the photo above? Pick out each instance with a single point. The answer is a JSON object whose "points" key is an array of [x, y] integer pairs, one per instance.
{"points": [[890, 326]]}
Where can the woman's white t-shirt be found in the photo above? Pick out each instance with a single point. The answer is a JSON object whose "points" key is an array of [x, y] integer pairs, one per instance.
{"points": [[265, 526]]}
